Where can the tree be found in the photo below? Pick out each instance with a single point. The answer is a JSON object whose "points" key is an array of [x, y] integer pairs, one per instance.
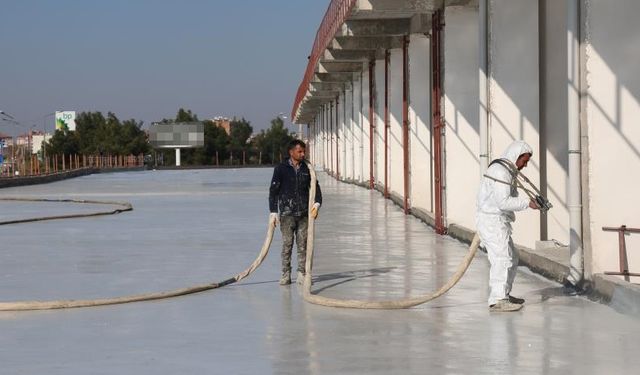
{"points": [[273, 142], [240, 133], [215, 140], [96, 134]]}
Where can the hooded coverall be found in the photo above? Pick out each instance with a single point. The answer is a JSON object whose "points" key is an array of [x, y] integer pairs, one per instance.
{"points": [[496, 204]]}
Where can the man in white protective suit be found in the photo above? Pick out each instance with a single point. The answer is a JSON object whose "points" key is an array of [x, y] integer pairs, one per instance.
{"points": [[497, 202]]}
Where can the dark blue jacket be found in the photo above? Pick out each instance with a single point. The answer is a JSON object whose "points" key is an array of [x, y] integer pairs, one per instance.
{"points": [[289, 190]]}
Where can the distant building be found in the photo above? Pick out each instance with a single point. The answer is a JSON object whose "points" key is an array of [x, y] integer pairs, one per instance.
{"points": [[37, 140], [222, 122], [6, 140], [32, 141]]}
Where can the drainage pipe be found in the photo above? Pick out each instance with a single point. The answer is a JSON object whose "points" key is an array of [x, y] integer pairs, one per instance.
{"points": [[337, 138], [574, 201], [484, 76], [372, 65], [436, 92], [405, 119], [387, 56]]}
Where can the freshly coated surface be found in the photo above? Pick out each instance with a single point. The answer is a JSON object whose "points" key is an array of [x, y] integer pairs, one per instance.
{"points": [[190, 227]]}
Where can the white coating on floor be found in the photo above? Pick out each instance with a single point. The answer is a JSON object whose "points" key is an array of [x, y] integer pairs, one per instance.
{"points": [[191, 227]]}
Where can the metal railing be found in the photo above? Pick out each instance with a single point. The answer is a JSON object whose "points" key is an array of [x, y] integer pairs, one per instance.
{"points": [[622, 250], [336, 14], [33, 166]]}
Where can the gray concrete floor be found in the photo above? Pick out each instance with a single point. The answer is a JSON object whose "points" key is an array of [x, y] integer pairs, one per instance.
{"points": [[190, 227]]}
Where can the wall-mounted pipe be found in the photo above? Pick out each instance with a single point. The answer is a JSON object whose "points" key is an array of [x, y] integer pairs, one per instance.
{"points": [[372, 65], [337, 137], [387, 57], [484, 76], [330, 122], [574, 199], [405, 119], [436, 92]]}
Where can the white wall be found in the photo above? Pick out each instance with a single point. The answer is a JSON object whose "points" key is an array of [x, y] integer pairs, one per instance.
{"points": [[513, 92], [613, 111], [420, 122], [461, 96], [396, 162]]}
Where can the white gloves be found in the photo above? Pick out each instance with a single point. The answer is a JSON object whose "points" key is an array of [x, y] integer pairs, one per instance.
{"points": [[273, 219], [314, 210]]}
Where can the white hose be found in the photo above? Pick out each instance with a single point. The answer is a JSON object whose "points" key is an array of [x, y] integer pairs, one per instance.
{"points": [[402, 303]]}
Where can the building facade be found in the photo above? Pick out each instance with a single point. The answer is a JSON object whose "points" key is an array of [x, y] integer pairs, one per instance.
{"points": [[415, 98]]}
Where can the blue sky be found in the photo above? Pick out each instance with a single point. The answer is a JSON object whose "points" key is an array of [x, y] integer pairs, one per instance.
{"points": [[144, 59]]}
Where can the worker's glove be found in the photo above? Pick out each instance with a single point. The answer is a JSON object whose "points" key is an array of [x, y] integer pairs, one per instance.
{"points": [[314, 210], [273, 219], [533, 204]]}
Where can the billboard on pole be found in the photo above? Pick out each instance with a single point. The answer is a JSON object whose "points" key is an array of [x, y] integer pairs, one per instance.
{"points": [[66, 120]]}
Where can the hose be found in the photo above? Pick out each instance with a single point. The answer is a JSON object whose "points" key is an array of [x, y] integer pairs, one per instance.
{"points": [[401, 303], [307, 295], [123, 206]]}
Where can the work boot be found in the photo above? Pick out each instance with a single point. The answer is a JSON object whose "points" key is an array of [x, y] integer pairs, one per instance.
{"points": [[300, 278], [516, 300], [286, 278], [504, 305]]}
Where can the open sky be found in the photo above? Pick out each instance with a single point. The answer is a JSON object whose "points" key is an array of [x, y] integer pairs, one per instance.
{"points": [[144, 59]]}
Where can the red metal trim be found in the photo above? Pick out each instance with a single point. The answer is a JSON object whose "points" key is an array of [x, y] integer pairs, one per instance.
{"points": [[405, 119], [336, 15], [387, 56], [436, 50], [372, 65], [337, 139]]}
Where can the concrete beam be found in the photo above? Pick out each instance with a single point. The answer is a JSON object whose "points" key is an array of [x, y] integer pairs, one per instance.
{"points": [[332, 86], [366, 43], [398, 26], [346, 55], [339, 67], [333, 77], [323, 93], [389, 9]]}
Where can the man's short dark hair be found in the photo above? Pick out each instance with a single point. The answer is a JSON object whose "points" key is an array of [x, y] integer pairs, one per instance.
{"points": [[294, 143]]}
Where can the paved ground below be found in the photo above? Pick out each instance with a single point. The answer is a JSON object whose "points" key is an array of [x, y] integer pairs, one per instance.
{"points": [[190, 227]]}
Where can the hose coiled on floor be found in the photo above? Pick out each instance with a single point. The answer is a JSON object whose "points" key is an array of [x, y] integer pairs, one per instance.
{"points": [[401, 303], [307, 294], [122, 207]]}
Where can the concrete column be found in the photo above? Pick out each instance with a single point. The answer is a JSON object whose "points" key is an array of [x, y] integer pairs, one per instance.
{"points": [[177, 157]]}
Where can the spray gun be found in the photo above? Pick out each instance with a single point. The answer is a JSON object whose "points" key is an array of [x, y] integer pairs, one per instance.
{"points": [[543, 203]]}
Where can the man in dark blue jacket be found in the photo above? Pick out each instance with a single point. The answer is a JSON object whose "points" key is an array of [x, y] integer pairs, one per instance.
{"points": [[289, 192]]}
